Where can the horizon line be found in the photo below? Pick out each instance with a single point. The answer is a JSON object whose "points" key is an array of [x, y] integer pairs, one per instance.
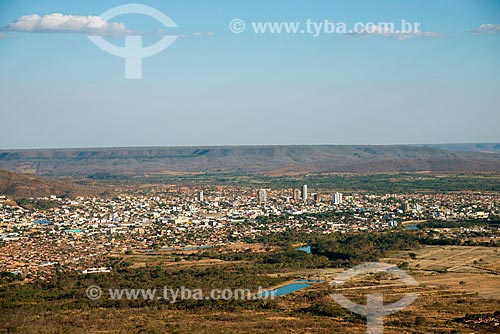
{"points": [[239, 145]]}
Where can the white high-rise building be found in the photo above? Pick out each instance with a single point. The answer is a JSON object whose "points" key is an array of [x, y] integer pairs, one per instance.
{"points": [[337, 198], [296, 195], [303, 193], [262, 194]]}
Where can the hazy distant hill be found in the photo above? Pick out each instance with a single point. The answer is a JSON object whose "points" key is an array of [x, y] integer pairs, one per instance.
{"points": [[482, 147], [249, 159], [22, 185]]}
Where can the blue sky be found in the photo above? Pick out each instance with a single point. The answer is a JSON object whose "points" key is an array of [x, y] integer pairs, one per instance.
{"points": [[221, 88]]}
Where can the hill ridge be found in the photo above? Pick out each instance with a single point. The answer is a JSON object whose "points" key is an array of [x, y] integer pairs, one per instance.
{"points": [[254, 159]]}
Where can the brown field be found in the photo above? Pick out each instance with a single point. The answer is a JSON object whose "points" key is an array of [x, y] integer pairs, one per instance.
{"points": [[453, 281], [464, 269], [433, 312]]}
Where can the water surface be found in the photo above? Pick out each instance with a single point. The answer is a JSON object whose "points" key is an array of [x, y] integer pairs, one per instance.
{"points": [[286, 289]]}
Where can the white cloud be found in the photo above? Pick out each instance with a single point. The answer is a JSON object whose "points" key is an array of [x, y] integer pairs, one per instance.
{"points": [[162, 32], [57, 22], [203, 34], [420, 34], [487, 28], [89, 25], [387, 32]]}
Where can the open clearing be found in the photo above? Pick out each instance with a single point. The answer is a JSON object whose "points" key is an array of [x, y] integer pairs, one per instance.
{"points": [[461, 268]]}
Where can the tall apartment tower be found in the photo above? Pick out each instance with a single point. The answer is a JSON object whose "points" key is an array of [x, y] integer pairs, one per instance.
{"points": [[262, 195], [303, 193], [200, 196], [337, 198], [296, 195]]}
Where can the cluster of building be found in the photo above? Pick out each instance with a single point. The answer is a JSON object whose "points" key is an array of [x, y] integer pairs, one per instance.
{"points": [[301, 195], [79, 233]]}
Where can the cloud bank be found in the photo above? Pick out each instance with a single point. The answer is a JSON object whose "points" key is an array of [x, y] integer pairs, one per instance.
{"points": [[386, 32], [60, 23], [192, 35], [487, 28], [89, 25]]}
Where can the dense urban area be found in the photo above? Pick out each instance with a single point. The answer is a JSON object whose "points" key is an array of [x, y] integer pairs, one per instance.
{"points": [[40, 234]]}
